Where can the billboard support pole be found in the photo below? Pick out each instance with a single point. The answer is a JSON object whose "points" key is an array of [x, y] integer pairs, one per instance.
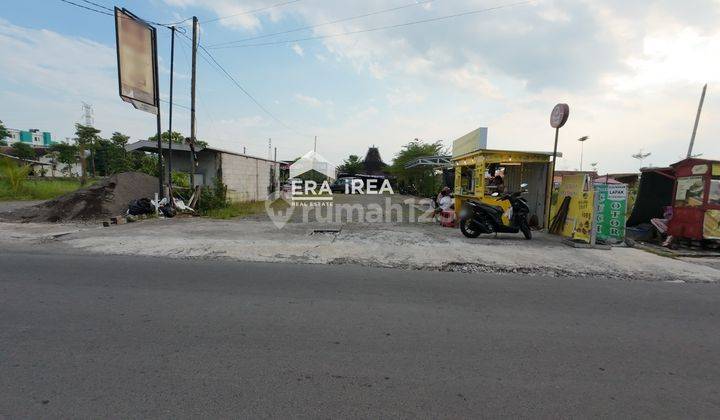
{"points": [[161, 184], [170, 112], [558, 118], [551, 180]]}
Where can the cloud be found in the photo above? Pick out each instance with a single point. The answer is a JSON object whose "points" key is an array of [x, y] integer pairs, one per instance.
{"points": [[631, 71], [46, 76], [312, 101]]}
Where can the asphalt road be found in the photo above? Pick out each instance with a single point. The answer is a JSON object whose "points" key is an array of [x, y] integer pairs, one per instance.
{"points": [[113, 337]]}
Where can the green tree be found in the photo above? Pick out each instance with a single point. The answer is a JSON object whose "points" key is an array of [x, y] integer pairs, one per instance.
{"points": [[120, 139], [143, 162], [425, 179], [67, 154], [110, 155], [351, 166], [110, 158], [86, 136], [3, 134], [177, 138], [23, 151]]}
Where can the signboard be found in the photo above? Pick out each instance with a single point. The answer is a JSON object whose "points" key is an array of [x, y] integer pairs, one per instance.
{"points": [[611, 212], [559, 115], [578, 224], [711, 224], [470, 142], [137, 61]]}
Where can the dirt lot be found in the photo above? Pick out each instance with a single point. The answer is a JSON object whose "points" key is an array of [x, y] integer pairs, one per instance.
{"points": [[426, 246]]}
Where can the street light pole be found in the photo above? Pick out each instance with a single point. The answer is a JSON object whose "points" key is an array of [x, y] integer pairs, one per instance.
{"points": [[582, 141]]}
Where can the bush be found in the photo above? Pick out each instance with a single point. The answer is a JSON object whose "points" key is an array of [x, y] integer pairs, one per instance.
{"points": [[181, 179], [212, 198], [15, 175]]}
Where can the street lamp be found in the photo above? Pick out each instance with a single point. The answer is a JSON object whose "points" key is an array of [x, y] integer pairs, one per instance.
{"points": [[582, 141], [641, 156]]}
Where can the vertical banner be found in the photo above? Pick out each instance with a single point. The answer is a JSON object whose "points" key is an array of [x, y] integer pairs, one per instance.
{"points": [[611, 212], [578, 224], [137, 58]]}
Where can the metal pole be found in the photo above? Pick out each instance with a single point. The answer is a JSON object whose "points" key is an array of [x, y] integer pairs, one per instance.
{"points": [[582, 148], [192, 99], [161, 184], [551, 180], [697, 121], [170, 110]]}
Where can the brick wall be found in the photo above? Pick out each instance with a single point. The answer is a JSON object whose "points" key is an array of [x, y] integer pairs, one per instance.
{"points": [[247, 178]]}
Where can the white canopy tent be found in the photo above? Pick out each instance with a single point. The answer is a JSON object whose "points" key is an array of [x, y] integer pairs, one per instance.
{"points": [[312, 161]]}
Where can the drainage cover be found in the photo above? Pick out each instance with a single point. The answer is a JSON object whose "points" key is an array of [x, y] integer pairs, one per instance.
{"points": [[325, 232]]}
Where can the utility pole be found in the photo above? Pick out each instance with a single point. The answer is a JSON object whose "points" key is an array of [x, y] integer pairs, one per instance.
{"points": [[315, 146], [697, 121], [269, 149], [170, 111], [192, 101]]}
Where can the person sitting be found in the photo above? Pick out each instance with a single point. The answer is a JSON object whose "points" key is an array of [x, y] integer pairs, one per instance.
{"points": [[446, 201], [498, 184]]}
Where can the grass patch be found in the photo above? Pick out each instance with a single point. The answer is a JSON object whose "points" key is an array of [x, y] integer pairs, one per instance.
{"points": [[232, 210], [38, 189]]}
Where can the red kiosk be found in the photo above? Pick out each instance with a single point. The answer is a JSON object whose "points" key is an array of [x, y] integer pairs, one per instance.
{"points": [[696, 200]]}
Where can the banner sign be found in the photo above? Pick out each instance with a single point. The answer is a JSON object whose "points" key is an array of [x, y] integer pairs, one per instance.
{"points": [[611, 212], [578, 224], [137, 61]]}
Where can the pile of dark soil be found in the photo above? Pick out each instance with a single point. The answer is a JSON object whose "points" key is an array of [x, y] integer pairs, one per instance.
{"points": [[109, 197]]}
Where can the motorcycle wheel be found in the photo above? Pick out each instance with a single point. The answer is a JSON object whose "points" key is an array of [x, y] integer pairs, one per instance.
{"points": [[467, 228], [525, 229]]}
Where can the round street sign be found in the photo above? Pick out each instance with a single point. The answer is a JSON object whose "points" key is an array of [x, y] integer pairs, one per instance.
{"points": [[559, 115]]}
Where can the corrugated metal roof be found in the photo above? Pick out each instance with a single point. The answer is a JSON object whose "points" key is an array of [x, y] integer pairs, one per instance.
{"points": [[151, 146]]}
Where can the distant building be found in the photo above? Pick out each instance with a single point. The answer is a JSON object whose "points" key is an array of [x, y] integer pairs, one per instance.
{"points": [[32, 137], [248, 178], [373, 163]]}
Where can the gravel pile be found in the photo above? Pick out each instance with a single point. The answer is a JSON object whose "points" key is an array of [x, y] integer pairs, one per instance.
{"points": [[108, 197]]}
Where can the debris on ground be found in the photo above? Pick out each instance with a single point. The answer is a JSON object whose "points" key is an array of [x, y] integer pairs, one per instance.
{"points": [[108, 197]]}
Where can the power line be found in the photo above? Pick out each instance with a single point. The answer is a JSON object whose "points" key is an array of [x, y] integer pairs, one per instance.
{"points": [[304, 28], [87, 8], [214, 63], [98, 5], [250, 12], [112, 14], [175, 104], [380, 28]]}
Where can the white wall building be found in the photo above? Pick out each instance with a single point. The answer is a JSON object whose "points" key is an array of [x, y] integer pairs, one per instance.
{"points": [[248, 178]]}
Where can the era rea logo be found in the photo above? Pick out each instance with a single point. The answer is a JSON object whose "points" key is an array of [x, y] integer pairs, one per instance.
{"points": [[356, 186]]}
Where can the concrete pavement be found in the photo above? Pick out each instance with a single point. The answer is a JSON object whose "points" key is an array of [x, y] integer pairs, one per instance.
{"points": [[117, 337]]}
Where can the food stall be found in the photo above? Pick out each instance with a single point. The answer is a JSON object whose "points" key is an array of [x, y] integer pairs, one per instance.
{"points": [[696, 200], [477, 172]]}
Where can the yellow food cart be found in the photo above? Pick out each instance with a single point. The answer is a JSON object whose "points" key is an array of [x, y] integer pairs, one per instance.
{"points": [[475, 170]]}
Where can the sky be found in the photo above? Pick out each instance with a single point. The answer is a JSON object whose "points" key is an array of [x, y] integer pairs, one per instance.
{"points": [[631, 71]]}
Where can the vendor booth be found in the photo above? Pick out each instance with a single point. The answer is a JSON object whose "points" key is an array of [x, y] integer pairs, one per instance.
{"points": [[696, 200], [480, 173]]}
